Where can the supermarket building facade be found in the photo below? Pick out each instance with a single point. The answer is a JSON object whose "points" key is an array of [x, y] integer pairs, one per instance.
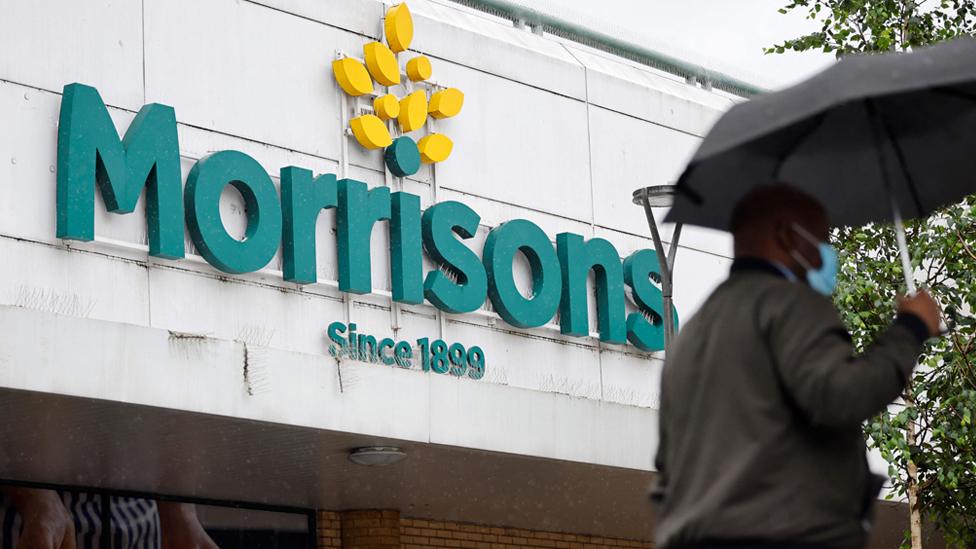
{"points": [[262, 276]]}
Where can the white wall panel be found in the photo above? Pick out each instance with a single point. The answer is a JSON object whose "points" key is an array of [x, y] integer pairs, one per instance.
{"points": [[551, 366], [378, 398], [352, 15], [50, 43], [196, 143], [700, 238], [624, 86], [446, 32], [478, 42], [49, 278], [493, 213], [696, 275], [517, 144], [28, 161], [632, 378], [155, 367], [415, 322], [225, 308], [629, 154], [471, 414], [247, 70]]}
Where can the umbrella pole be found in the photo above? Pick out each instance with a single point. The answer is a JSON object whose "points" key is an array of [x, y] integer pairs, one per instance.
{"points": [[906, 261], [879, 126]]}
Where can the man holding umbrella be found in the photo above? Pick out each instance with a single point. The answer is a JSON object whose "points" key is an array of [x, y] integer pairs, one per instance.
{"points": [[763, 399]]}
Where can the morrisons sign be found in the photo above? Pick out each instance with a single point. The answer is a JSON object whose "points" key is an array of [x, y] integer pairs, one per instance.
{"points": [[91, 154]]}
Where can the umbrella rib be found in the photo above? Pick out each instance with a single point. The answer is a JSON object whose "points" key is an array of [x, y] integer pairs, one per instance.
{"points": [[881, 119], [900, 155]]}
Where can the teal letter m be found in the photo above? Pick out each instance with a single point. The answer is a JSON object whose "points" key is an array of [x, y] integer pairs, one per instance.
{"points": [[89, 150]]}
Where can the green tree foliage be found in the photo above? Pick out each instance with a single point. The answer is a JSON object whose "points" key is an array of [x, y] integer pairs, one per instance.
{"points": [[864, 26], [942, 398], [934, 430]]}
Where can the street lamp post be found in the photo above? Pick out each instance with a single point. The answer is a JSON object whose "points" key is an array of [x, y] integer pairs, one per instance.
{"points": [[662, 196]]}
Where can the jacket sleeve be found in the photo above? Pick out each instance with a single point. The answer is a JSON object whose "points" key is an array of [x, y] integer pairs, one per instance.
{"points": [[815, 361], [660, 484]]}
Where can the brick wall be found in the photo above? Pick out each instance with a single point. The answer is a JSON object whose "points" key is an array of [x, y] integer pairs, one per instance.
{"points": [[329, 532], [431, 534], [372, 530], [369, 529]]}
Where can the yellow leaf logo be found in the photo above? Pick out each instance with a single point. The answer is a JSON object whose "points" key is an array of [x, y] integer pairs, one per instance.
{"points": [[422, 98]]}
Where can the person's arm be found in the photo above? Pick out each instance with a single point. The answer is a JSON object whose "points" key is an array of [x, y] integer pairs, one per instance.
{"points": [[46, 522], [180, 528], [816, 363]]}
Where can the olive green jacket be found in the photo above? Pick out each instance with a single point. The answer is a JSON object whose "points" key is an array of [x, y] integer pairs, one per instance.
{"points": [[762, 401]]}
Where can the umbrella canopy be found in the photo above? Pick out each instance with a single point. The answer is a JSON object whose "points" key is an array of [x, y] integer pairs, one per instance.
{"points": [[867, 130]]}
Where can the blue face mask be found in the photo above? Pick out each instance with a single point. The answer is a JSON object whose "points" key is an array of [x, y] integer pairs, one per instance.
{"points": [[824, 279]]}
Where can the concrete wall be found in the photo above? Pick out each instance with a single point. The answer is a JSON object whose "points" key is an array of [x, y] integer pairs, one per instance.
{"points": [[550, 132]]}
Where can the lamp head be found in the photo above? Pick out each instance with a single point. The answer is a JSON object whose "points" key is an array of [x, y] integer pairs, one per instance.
{"points": [[658, 196], [376, 455]]}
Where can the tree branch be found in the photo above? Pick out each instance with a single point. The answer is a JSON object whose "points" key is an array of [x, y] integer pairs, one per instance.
{"points": [[964, 245]]}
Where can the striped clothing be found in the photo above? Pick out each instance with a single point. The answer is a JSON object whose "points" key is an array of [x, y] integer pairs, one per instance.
{"points": [[134, 522]]}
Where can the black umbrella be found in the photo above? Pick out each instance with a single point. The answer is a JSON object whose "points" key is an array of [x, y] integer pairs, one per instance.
{"points": [[873, 137]]}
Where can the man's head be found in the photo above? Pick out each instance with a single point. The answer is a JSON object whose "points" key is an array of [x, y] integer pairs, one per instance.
{"points": [[777, 223]]}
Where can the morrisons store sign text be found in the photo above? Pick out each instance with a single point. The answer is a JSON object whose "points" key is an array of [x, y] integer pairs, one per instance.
{"points": [[90, 152]]}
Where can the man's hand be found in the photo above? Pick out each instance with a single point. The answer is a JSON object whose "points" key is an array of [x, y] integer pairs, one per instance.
{"points": [[924, 307], [46, 523]]}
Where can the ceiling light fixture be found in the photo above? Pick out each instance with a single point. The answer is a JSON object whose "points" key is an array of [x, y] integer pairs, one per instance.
{"points": [[376, 456]]}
